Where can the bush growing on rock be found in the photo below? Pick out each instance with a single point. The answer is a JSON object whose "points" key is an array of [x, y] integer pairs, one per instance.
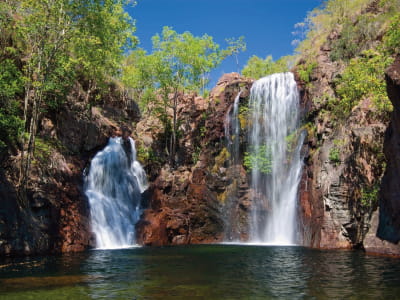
{"points": [[391, 39], [259, 159], [178, 63], [334, 155], [257, 67], [364, 77]]}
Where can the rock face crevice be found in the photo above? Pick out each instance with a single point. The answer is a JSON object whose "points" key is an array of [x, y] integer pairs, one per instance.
{"points": [[389, 213], [344, 167], [343, 159]]}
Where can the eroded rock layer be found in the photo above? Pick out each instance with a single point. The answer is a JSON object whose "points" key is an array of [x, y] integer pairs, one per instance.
{"points": [[344, 165]]}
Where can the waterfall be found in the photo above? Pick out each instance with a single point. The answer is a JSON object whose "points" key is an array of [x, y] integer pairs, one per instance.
{"points": [[232, 131], [114, 186], [274, 153], [232, 140]]}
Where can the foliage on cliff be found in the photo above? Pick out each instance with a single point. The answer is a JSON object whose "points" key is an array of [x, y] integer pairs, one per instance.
{"points": [[178, 63], [361, 36], [341, 66], [45, 47], [257, 67], [342, 63], [259, 159]]}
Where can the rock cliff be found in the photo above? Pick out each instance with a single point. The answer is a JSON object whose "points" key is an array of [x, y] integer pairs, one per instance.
{"points": [[51, 215], [188, 204], [344, 165], [206, 198], [385, 237]]}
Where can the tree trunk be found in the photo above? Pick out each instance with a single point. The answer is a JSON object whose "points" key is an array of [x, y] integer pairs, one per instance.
{"points": [[174, 129], [26, 102], [90, 89], [32, 137], [36, 104]]}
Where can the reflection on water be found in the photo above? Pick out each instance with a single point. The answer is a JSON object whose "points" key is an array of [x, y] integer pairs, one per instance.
{"points": [[202, 272]]}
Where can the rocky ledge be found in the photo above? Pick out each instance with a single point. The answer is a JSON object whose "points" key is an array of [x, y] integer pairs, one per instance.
{"points": [[187, 205]]}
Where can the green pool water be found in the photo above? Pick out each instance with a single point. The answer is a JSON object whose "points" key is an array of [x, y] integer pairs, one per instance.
{"points": [[202, 272]]}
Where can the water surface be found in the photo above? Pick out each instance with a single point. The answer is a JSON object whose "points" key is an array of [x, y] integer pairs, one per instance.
{"points": [[202, 272]]}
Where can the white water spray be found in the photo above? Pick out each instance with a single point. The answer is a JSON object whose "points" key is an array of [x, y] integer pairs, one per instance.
{"points": [[114, 186], [275, 145]]}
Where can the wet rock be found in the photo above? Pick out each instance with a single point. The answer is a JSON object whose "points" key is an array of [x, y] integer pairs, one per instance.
{"points": [[374, 245]]}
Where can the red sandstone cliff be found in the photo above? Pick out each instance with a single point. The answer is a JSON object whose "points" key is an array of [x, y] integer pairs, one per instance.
{"points": [[187, 204]]}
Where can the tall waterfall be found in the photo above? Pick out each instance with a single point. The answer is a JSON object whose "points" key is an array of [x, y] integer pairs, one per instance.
{"points": [[114, 186], [274, 151]]}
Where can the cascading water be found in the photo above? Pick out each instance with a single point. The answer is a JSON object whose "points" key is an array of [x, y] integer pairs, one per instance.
{"points": [[275, 145], [232, 131], [232, 139], [114, 186]]}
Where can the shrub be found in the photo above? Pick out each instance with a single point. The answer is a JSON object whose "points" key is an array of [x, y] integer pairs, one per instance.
{"points": [[305, 71], [11, 81], [259, 158], [196, 155], [391, 40], [244, 116], [43, 151], [257, 67], [322, 20], [369, 195], [10, 128], [364, 77], [334, 155], [291, 141], [355, 37]]}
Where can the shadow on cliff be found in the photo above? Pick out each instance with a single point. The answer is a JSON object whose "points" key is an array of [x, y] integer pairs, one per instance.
{"points": [[389, 214], [24, 230]]}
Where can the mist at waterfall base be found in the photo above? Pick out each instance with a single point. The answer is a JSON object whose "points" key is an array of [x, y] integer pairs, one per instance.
{"points": [[114, 186]]}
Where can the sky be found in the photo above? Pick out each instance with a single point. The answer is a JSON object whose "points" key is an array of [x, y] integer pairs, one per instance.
{"points": [[267, 25]]}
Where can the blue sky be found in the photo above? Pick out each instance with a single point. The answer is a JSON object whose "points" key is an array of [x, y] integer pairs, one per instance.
{"points": [[266, 24]]}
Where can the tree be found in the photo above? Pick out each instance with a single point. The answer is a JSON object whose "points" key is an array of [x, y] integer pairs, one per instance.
{"points": [[42, 29], [257, 67], [45, 46], [11, 81], [137, 78], [178, 63], [235, 47], [104, 32]]}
